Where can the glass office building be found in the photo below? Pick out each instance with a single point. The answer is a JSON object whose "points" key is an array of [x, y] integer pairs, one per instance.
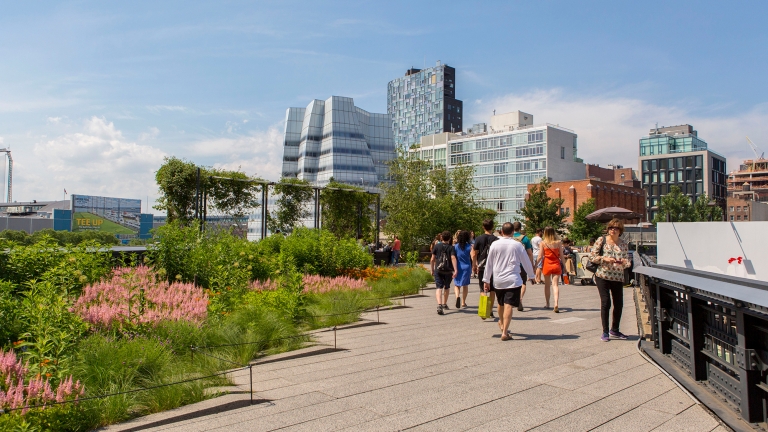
{"points": [[676, 156], [507, 161], [423, 102], [334, 138]]}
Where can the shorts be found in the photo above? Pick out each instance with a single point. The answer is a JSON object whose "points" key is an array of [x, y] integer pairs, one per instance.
{"points": [[480, 274], [537, 263], [443, 280], [523, 275], [509, 296]]}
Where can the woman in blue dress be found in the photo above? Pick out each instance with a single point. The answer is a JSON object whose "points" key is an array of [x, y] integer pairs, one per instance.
{"points": [[463, 271]]}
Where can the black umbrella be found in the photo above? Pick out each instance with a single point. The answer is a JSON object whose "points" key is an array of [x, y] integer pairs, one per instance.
{"points": [[606, 214]]}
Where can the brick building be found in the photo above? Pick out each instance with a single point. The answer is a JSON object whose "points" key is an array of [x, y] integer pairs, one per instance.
{"points": [[746, 210], [614, 174], [606, 194]]}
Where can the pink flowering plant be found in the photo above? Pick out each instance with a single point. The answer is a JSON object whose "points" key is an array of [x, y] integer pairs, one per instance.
{"points": [[137, 296], [19, 391]]}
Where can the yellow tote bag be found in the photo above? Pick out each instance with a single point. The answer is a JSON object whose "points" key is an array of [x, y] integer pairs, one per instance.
{"points": [[484, 308]]}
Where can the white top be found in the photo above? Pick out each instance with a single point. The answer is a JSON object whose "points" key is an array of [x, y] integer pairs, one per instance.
{"points": [[503, 264], [535, 242]]}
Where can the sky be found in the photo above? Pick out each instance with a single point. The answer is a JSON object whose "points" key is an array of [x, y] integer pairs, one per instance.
{"points": [[93, 95]]}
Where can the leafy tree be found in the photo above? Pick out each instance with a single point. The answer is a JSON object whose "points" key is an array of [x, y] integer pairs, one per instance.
{"points": [[177, 180], [421, 202], [540, 210], [294, 195], [407, 201], [230, 192], [582, 229], [344, 207], [674, 207], [703, 212]]}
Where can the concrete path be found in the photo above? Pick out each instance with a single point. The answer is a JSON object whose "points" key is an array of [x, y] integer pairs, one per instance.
{"points": [[421, 371]]}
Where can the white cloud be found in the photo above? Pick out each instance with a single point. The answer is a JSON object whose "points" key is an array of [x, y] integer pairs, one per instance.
{"points": [[152, 133], [54, 120], [96, 161], [159, 108], [258, 153], [609, 127]]}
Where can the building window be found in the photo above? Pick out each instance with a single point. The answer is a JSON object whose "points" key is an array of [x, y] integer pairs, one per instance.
{"points": [[731, 217], [562, 152], [738, 208], [738, 218], [731, 209]]}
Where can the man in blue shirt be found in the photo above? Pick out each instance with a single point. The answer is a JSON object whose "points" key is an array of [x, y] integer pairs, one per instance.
{"points": [[517, 226]]}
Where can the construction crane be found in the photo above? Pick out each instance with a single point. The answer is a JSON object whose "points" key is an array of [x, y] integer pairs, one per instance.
{"points": [[754, 150], [9, 188]]}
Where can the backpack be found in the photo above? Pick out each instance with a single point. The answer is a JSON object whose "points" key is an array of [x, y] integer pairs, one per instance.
{"points": [[443, 260], [486, 250]]}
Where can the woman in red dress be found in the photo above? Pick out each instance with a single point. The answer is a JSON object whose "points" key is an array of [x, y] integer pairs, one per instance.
{"points": [[552, 268]]}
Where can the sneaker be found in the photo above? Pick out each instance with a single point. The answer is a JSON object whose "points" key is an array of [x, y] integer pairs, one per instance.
{"points": [[520, 306], [439, 309], [458, 302], [605, 337], [492, 316], [617, 334], [445, 307]]}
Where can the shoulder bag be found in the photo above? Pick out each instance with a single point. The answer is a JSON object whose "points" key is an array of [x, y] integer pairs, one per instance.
{"points": [[592, 267]]}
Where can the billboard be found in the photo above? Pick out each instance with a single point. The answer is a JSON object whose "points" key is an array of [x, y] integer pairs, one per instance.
{"points": [[119, 216]]}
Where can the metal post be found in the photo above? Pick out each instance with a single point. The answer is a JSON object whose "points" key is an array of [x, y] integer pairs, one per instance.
{"points": [[377, 314], [665, 342], [696, 339], [334, 338], [266, 209], [205, 209], [197, 195], [378, 221], [250, 374], [317, 208], [263, 211], [749, 372]]}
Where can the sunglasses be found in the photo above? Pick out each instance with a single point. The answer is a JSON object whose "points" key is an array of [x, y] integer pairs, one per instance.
{"points": [[613, 228]]}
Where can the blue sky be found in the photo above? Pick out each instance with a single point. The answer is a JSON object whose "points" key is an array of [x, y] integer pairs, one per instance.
{"points": [[93, 95]]}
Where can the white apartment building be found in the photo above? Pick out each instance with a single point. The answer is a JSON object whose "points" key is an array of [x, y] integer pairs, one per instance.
{"points": [[508, 155]]}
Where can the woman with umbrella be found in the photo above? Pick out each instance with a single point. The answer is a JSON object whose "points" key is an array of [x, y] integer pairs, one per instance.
{"points": [[610, 253]]}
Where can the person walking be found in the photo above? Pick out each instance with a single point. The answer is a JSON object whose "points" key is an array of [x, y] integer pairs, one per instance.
{"points": [[480, 255], [519, 236], [463, 268], [443, 265], [610, 253], [472, 243], [503, 267], [551, 253], [396, 251], [535, 245]]}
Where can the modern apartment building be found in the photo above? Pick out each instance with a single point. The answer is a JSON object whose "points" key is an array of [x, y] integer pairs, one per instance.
{"points": [[334, 138], [677, 156], [510, 155], [423, 102]]}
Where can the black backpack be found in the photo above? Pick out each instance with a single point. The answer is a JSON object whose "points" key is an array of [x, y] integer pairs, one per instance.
{"points": [[484, 253], [443, 260]]}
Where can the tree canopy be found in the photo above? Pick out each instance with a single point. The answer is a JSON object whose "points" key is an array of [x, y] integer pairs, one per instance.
{"points": [[292, 202], [540, 210], [230, 192], [679, 208], [345, 207], [421, 201], [581, 230]]}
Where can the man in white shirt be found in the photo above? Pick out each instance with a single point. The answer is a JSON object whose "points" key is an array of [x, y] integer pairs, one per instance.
{"points": [[537, 260], [503, 265]]}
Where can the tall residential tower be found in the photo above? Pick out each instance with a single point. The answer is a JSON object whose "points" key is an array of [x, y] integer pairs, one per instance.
{"points": [[423, 102]]}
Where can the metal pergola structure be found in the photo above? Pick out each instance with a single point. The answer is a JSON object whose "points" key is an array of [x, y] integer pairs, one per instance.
{"points": [[201, 206]]}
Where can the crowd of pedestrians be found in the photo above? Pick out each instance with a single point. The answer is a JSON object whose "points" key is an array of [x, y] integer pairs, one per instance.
{"points": [[505, 261]]}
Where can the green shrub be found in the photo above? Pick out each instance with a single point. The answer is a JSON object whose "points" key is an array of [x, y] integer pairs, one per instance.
{"points": [[63, 238], [10, 326], [320, 252]]}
